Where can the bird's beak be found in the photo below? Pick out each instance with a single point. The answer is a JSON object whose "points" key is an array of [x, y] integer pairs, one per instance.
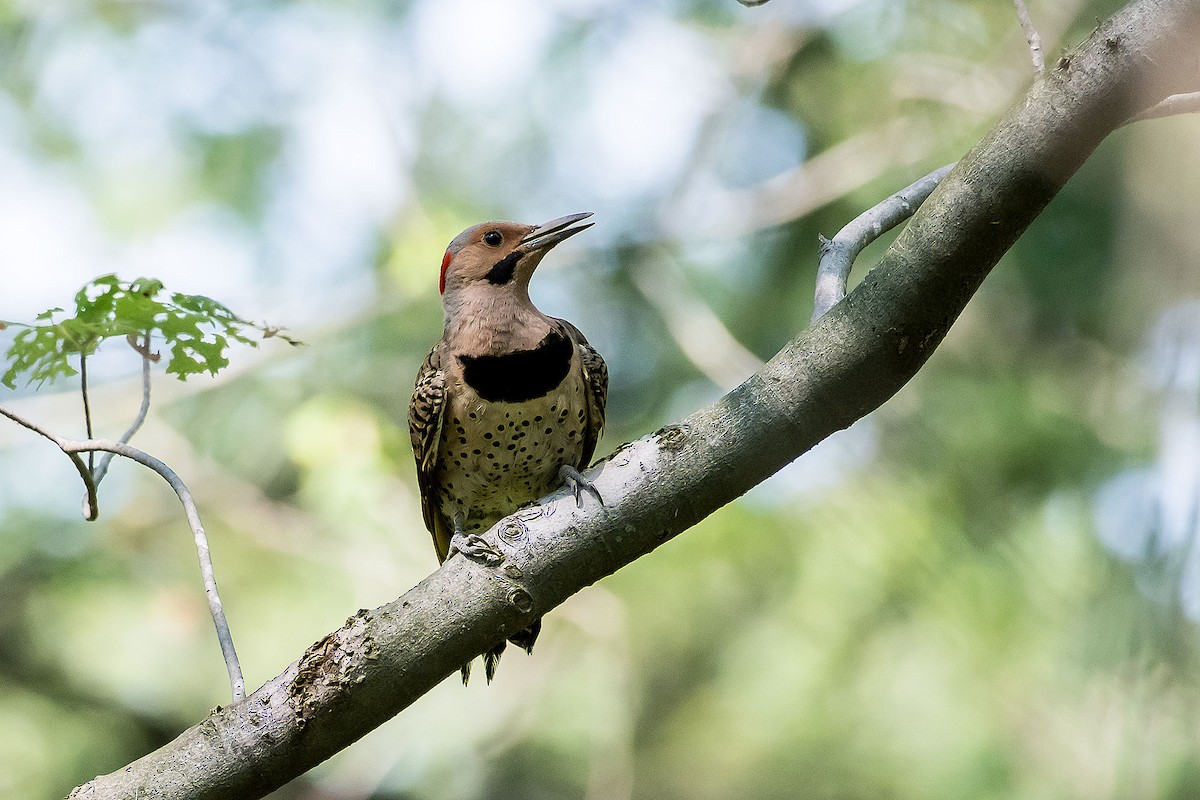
{"points": [[545, 236]]}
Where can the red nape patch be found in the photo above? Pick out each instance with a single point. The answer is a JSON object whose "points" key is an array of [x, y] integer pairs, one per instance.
{"points": [[442, 280]]}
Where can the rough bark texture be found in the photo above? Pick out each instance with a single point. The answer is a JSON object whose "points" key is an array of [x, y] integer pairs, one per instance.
{"points": [[832, 374]]}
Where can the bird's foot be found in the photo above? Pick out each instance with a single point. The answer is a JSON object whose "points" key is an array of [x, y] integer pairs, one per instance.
{"points": [[579, 484], [475, 547]]}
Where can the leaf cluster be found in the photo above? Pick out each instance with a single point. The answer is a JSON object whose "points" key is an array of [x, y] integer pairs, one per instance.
{"points": [[196, 330]]}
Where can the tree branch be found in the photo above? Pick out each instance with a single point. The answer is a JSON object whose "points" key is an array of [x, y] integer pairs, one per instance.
{"points": [[838, 253], [91, 506], [1188, 103], [236, 682], [87, 411], [1031, 36], [847, 364], [143, 350]]}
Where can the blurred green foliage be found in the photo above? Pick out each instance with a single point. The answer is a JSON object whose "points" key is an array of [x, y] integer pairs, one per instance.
{"points": [[919, 608]]}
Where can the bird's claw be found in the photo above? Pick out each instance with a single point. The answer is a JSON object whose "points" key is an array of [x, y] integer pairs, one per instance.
{"points": [[476, 548], [579, 484]]}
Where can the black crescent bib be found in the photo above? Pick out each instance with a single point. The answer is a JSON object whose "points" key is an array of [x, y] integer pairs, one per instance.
{"points": [[521, 375]]}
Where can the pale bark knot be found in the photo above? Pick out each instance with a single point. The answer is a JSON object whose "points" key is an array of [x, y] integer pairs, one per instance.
{"points": [[512, 531], [521, 599]]}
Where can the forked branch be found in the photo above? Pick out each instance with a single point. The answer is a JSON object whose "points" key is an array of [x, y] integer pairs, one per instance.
{"points": [[838, 254], [233, 666], [73, 449]]}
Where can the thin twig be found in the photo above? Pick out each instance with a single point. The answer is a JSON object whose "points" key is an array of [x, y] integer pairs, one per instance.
{"points": [[144, 350], [1031, 36], [1188, 103], [87, 409], [838, 253], [73, 448], [91, 508], [193, 517]]}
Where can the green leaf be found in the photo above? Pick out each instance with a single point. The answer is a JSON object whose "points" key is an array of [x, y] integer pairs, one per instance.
{"points": [[196, 329]]}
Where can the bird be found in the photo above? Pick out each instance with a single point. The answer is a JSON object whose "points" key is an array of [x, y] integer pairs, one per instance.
{"points": [[509, 404]]}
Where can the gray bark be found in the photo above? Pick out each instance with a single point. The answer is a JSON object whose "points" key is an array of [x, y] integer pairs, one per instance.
{"points": [[847, 364]]}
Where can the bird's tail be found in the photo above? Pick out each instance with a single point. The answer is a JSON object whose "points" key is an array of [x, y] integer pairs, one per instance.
{"points": [[525, 639], [491, 659]]}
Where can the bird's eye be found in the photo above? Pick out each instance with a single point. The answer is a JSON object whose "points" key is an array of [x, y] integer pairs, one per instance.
{"points": [[492, 238]]}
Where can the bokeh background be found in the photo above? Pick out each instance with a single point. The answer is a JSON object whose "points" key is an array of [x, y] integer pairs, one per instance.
{"points": [[988, 588]]}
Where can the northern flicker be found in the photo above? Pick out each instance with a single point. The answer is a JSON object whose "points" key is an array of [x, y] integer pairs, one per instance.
{"points": [[509, 403]]}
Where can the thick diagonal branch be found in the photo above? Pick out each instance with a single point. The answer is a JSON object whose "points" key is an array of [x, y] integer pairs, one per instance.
{"points": [[847, 364]]}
